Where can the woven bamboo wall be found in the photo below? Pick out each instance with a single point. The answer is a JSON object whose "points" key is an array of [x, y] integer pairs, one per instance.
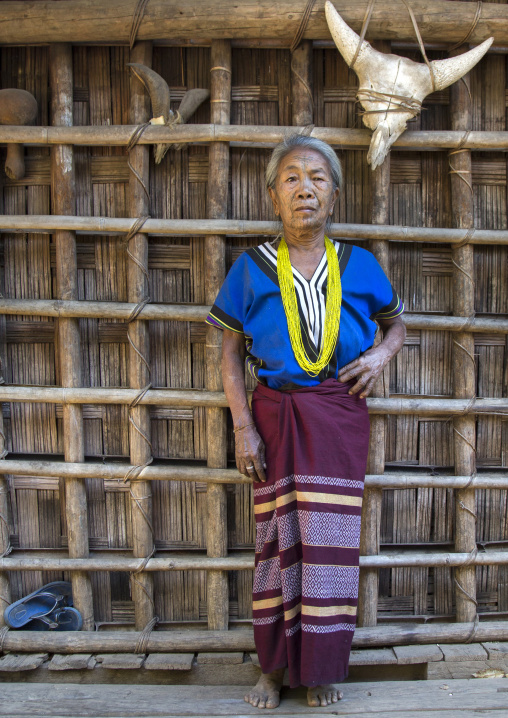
{"points": [[420, 196]]}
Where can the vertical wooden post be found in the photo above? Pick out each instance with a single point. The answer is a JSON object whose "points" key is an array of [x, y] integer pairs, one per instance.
{"points": [[301, 84], [463, 363], [63, 202], [372, 500], [5, 586], [139, 372], [215, 245]]}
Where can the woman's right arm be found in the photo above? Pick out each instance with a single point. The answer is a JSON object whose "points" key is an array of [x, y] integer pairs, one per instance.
{"points": [[249, 447]]}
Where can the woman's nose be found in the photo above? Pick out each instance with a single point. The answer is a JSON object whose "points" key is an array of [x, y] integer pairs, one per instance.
{"points": [[305, 189]]}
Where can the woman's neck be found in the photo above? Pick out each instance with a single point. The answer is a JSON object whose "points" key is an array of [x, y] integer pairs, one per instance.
{"points": [[305, 242], [306, 252]]}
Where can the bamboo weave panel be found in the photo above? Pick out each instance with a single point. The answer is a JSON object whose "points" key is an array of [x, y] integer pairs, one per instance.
{"points": [[420, 196]]}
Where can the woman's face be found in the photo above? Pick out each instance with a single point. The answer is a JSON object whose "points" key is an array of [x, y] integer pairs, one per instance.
{"points": [[303, 195]]}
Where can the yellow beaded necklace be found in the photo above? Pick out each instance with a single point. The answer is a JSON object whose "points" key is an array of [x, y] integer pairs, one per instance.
{"points": [[333, 304]]}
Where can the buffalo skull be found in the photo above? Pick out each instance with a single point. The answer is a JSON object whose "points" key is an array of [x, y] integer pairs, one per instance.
{"points": [[392, 88], [160, 97]]}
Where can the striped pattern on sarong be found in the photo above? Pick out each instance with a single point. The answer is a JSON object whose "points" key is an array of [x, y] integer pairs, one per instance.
{"points": [[305, 590]]}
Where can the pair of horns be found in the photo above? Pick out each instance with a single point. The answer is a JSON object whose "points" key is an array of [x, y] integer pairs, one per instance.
{"points": [[445, 72], [160, 95]]}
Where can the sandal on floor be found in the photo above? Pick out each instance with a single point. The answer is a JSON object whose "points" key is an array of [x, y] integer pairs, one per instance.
{"points": [[66, 619], [63, 619], [38, 604], [41, 624], [20, 613], [62, 589]]}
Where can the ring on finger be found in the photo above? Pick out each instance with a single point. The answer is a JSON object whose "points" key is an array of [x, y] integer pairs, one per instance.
{"points": [[250, 468]]}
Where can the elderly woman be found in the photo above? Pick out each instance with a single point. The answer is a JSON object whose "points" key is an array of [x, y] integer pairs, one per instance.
{"points": [[302, 313]]}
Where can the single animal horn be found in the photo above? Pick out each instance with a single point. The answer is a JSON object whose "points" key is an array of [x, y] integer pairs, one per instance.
{"points": [[17, 107], [157, 88], [191, 101], [448, 71], [344, 37]]}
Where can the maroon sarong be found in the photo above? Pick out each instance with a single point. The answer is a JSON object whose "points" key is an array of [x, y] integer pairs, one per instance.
{"points": [[308, 529]]}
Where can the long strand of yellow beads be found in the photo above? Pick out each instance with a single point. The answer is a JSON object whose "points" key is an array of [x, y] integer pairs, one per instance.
{"points": [[332, 314]]}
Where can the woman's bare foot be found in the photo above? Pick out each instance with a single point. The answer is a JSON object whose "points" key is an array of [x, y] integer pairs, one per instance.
{"points": [[266, 692], [323, 695]]}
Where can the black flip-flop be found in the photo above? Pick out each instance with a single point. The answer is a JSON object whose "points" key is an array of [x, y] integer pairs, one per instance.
{"points": [[63, 619], [38, 604]]}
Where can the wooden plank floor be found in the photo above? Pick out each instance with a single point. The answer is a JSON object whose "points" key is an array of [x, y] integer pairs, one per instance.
{"points": [[400, 699]]}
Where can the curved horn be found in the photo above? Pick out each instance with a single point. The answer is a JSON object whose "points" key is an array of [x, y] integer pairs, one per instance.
{"points": [[448, 71], [346, 39], [157, 88], [17, 107], [191, 101]]}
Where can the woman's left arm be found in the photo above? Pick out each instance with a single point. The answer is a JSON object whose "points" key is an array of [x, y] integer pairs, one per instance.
{"points": [[369, 366]]}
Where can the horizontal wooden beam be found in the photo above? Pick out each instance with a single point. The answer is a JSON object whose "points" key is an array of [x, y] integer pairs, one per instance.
{"points": [[93, 395], [198, 313], [432, 481], [181, 472], [108, 310], [18, 561], [95, 21], [241, 228], [117, 471], [434, 322], [241, 640], [201, 397], [241, 561], [252, 135]]}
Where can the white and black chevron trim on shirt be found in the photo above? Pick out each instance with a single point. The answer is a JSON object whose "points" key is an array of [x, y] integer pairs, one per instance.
{"points": [[311, 293]]}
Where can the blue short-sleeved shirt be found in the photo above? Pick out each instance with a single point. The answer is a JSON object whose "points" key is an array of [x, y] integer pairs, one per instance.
{"points": [[250, 303]]}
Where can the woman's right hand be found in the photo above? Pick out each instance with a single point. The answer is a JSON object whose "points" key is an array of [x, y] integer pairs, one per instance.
{"points": [[250, 453], [249, 447]]}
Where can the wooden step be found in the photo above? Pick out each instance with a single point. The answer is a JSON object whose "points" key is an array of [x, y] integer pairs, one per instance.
{"points": [[402, 699]]}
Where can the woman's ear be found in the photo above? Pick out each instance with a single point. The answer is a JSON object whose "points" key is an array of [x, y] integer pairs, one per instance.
{"points": [[335, 197], [273, 197]]}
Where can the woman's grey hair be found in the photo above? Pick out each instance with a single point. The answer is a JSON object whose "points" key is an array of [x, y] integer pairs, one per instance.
{"points": [[310, 143]]}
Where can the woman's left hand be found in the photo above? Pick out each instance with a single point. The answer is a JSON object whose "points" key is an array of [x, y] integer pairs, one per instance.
{"points": [[365, 369], [369, 366]]}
